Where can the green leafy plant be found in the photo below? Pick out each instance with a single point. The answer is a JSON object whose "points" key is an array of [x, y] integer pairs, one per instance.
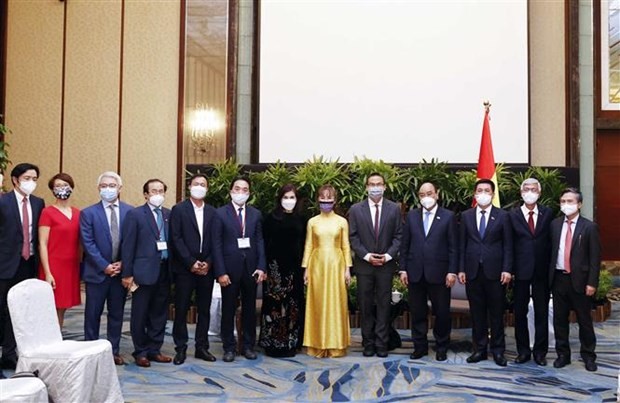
{"points": [[605, 284], [358, 172], [265, 185], [220, 178], [434, 171], [4, 154], [352, 294], [317, 172]]}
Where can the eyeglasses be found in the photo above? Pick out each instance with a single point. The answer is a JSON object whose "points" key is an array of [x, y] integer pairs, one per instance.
{"points": [[108, 185]]}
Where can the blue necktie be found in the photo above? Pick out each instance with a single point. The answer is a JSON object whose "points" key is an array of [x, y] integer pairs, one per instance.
{"points": [[161, 230], [483, 223], [427, 215]]}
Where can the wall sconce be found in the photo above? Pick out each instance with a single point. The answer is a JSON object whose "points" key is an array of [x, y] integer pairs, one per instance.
{"points": [[204, 123]]}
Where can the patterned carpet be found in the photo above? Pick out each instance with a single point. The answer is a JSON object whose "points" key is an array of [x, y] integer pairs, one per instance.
{"points": [[356, 378]]}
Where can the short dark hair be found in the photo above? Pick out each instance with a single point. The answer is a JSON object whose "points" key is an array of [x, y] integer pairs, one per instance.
{"points": [[63, 177], [241, 178], [485, 182], [145, 187], [575, 191], [197, 175], [375, 174], [19, 169]]}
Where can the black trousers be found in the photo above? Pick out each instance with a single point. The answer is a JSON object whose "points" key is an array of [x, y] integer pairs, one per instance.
{"points": [[439, 294], [185, 284], [486, 302], [374, 296], [540, 298], [25, 271], [566, 298], [246, 287]]}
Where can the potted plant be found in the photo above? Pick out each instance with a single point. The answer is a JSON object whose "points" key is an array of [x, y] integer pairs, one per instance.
{"points": [[601, 307], [4, 155]]}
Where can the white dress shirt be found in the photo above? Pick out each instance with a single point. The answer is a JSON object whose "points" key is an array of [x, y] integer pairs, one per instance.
{"points": [[19, 198], [559, 265], [526, 214], [199, 212]]}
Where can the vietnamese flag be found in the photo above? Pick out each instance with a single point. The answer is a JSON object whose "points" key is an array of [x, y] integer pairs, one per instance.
{"points": [[486, 161]]}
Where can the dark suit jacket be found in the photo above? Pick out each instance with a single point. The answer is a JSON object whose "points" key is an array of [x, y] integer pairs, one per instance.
{"points": [[531, 252], [227, 257], [97, 241], [432, 256], [585, 254], [11, 236], [362, 233], [139, 253], [185, 238], [493, 252]]}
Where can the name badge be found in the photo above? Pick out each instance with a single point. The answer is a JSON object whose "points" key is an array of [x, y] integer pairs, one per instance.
{"points": [[243, 243], [162, 245]]}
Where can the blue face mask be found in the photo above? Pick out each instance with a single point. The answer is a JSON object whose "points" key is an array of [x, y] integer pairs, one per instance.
{"points": [[375, 191], [109, 194], [326, 207]]}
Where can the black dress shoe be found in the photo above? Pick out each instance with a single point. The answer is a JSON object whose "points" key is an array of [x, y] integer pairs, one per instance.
{"points": [[369, 351], [591, 366], [8, 363], [441, 356], [204, 354], [249, 354], [476, 357], [229, 356], [180, 357], [417, 354], [500, 360], [382, 353], [561, 361], [522, 358], [540, 360]]}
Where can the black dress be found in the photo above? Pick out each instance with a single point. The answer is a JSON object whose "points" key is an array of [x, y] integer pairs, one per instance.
{"points": [[282, 317]]}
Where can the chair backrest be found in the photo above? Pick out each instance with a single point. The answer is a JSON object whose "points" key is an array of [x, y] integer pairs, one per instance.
{"points": [[33, 314], [458, 291]]}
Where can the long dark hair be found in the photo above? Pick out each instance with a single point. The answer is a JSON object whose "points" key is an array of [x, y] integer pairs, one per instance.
{"points": [[278, 211]]}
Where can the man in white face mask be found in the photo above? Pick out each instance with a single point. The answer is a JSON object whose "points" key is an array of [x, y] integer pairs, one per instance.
{"points": [[532, 252], [100, 233], [19, 219], [573, 275], [144, 252], [485, 269]]}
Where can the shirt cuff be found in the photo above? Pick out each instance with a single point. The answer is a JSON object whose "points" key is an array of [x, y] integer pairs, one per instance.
{"points": [[367, 257], [387, 257]]}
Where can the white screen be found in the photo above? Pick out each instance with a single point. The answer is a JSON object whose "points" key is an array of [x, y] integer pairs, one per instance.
{"points": [[392, 80]]}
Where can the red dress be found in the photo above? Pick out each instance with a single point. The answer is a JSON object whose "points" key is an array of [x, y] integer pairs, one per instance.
{"points": [[63, 254]]}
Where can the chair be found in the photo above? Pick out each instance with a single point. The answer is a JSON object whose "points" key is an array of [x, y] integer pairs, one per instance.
{"points": [[74, 371], [31, 390], [459, 306]]}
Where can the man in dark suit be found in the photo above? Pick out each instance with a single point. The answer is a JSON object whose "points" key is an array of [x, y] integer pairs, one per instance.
{"points": [[375, 226], [530, 234], [19, 218], [239, 265], [573, 275], [485, 268], [191, 222], [428, 264], [145, 254], [100, 232]]}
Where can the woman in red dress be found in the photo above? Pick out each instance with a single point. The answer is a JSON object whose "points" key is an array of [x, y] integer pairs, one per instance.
{"points": [[59, 228]]}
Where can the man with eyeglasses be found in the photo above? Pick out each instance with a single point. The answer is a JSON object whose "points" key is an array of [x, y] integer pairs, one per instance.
{"points": [[100, 232]]}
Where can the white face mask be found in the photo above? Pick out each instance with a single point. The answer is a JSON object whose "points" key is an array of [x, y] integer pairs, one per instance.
{"points": [[156, 200], [198, 192], [239, 198], [483, 199], [569, 209], [427, 202], [288, 204], [529, 197], [27, 186]]}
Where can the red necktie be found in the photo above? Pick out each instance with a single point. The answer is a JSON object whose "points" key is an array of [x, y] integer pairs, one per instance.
{"points": [[25, 229], [376, 221], [530, 222], [567, 246]]}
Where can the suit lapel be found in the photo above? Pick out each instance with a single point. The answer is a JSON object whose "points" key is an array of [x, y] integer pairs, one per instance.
{"points": [[189, 210], [577, 233], [150, 218], [103, 221], [491, 220], [434, 222], [14, 208], [419, 218]]}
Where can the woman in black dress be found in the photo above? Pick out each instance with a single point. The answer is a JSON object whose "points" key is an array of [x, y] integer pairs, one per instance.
{"points": [[282, 316]]}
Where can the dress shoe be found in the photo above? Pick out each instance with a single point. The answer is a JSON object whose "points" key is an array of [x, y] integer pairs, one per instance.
{"points": [[229, 356], [179, 357], [249, 354], [540, 360], [476, 357], [500, 360], [561, 361], [160, 358], [417, 354], [382, 353], [591, 366], [118, 360], [143, 362], [204, 354], [522, 358], [369, 351], [441, 356], [8, 363]]}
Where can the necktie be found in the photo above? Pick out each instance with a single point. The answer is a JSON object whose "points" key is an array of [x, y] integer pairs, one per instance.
{"points": [[240, 210], [161, 230], [114, 232], [25, 229], [568, 241], [483, 223], [376, 221], [427, 216], [530, 222]]}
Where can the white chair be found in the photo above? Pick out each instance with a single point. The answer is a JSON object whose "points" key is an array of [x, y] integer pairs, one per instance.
{"points": [[30, 390], [74, 371], [532, 328]]}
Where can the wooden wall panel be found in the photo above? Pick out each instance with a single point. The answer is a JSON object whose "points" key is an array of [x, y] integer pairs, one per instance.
{"points": [[607, 191]]}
